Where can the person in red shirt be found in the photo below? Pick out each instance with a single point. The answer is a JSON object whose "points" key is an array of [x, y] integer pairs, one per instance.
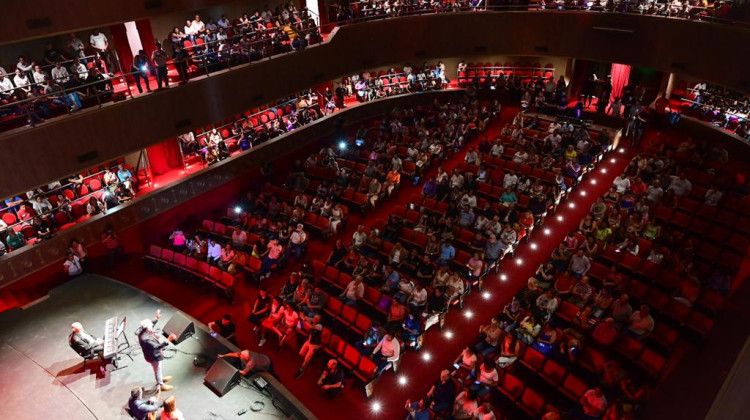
{"points": [[661, 109], [112, 242], [25, 213], [605, 332]]}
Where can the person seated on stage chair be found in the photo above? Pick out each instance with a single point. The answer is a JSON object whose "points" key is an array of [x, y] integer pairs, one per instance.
{"points": [[253, 362], [332, 379], [171, 412], [86, 345], [139, 407], [153, 349], [223, 326]]}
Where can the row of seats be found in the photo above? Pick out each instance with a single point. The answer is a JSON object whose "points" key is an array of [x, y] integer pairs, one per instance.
{"points": [[182, 264]]}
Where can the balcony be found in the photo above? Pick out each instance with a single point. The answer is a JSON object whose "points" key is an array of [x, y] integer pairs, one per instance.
{"points": [[33, 156]]}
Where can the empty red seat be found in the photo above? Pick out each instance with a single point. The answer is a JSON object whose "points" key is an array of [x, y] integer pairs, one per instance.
{"points": [[532, 403], [553, 372], [511, 387], [348, 315], [573, 387], [652, 362], [333, 307], [532, 359]]}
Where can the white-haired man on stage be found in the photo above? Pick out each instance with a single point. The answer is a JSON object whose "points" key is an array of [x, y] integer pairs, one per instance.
{"points": [[85, 344], [153, 349]]}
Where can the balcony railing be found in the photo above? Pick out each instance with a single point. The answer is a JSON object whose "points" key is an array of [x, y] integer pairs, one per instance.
{"points": [[29, 103]]}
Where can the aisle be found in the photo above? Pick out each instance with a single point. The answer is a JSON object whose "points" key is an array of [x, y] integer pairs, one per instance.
{"points": [[418, 370]]}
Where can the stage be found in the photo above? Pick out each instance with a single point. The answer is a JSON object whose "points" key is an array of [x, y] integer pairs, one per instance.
{"points": [[43, 378]]}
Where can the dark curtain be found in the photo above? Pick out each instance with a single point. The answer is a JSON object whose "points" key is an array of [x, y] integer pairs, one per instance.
{"points": [[119, 43], [164, 156], [146, 34]]}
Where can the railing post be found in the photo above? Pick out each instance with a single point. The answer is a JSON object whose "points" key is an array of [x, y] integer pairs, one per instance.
{"points": [[125, 79], [98, 99], [205, 61], [28, 115]]}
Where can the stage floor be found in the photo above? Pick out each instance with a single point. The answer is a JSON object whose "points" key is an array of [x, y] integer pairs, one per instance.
{"points": [[43, 378]]}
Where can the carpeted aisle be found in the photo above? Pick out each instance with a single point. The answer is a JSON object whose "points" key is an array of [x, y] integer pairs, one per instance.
{"points": [[440, 348]]}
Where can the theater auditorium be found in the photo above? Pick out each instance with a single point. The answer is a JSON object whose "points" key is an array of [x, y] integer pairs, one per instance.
{"points": [[377, 209]]}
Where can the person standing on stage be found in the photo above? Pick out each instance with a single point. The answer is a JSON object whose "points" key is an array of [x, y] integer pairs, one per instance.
{"points": [[153, 349], [253, 362], [140, 407], [85, 344]]}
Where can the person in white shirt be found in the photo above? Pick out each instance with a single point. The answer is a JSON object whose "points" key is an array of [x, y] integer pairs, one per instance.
{"points": [[354, 291], [72, 265], [553, 126], [79, 68], [359, 237], [497, 149], [38, 75], [224, 22], [6, 86], [60, 74], [297, 242], [713, 196], [622, 183], [199, 28], [22, 81], [23, 65], [98, 40], [510, 180], [654, 192], [521, 156], [214, 252], [100, 43], [189, 31], [387, 352], [41, 205], [679, 184]]}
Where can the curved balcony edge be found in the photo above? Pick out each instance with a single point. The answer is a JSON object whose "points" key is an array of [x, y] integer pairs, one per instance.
{"points": [[209, 185], [77, 142]]}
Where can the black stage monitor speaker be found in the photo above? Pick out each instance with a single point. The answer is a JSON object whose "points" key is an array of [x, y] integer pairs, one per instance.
{"points": [[222, 377], [179, 326]]}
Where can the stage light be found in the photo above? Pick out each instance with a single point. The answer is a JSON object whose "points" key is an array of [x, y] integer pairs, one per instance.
{"points": [[534, 245], [622, 150], [572, 205], [604, 170], [503, 277], [469, 314], [144, 68], [449, 334], [376, 406], [156, 185], [486, 295], [612, 160], [238, 209], [593, 182], [342, 145], [402, 380], [559, 218], [426, 356], [519, 261], [547, 231], [583, 193]]}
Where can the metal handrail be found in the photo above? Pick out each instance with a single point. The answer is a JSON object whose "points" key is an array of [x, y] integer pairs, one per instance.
{"points": [[423, 9]]}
